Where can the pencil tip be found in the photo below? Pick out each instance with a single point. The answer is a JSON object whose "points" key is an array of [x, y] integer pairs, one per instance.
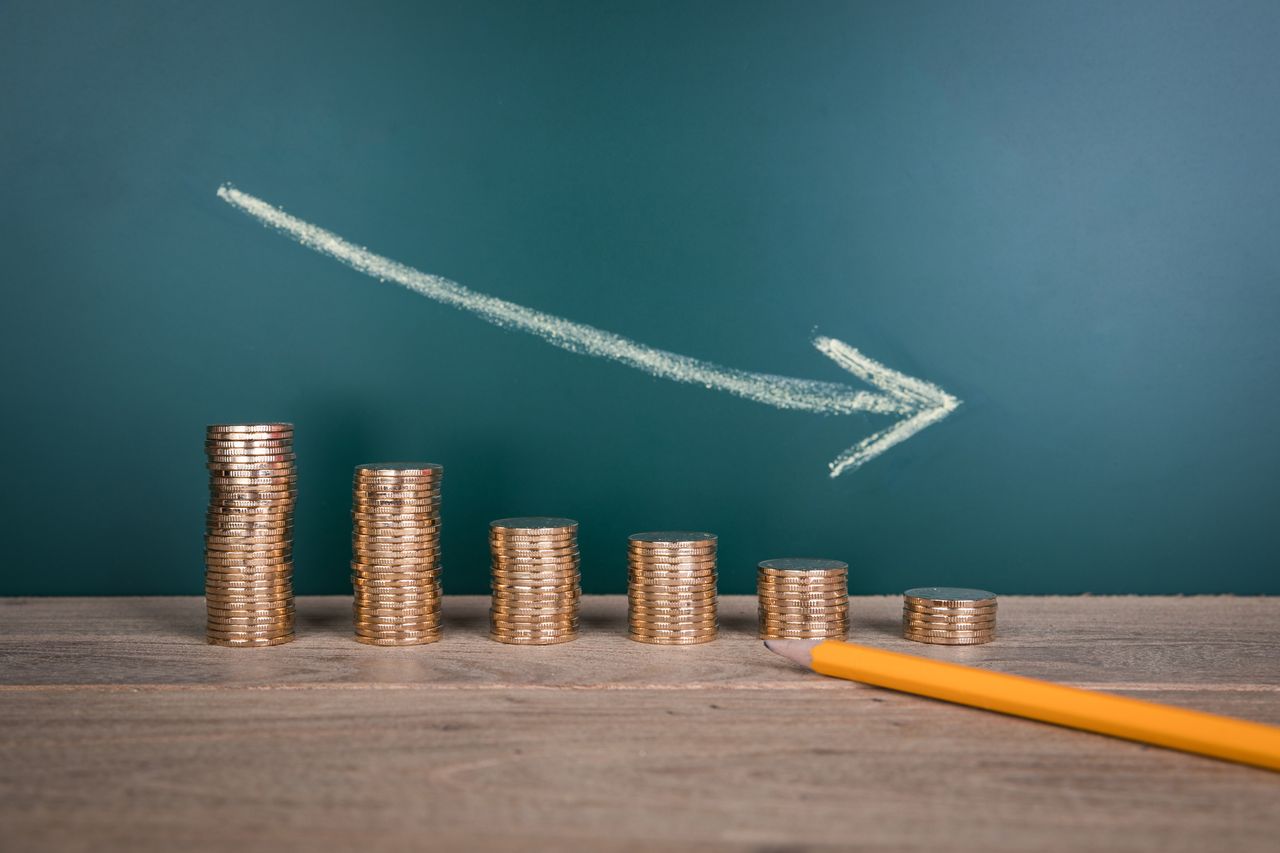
{"points": [[799, 651]]}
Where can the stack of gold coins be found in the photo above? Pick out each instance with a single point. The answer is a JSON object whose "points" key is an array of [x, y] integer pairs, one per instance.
{"points": [[803, 598], [248, 556], [395, 548], [536, 582], [671, 591], [949, 616]]}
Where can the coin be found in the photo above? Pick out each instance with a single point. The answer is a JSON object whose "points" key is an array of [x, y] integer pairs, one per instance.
{"points": [[417, 640], [953, 641], [948, 596], [269, 641]]}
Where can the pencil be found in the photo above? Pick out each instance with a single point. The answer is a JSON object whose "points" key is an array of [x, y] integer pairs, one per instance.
{"points": [[1148, 722]]}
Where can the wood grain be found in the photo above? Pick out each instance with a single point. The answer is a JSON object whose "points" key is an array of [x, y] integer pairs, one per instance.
{"points": [[121, 730]]}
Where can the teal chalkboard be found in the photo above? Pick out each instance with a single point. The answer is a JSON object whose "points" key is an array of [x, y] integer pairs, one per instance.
{"points": [[1060, 218]]}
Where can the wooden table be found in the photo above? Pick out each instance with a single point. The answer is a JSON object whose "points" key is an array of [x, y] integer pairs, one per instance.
{"points": [[123, 730]]}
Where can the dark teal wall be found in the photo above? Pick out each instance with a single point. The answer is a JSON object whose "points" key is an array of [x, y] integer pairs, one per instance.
{"points": [[1064, 213]]}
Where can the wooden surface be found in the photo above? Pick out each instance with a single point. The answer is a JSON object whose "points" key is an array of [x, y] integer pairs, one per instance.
{"points": [[122, 730]]}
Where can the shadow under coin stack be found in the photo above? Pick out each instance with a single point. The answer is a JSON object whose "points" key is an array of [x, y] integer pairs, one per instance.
{"points": [[671, 587], [248, 557], [395, 548], [536, 582], [948, 616], [803, 599]]}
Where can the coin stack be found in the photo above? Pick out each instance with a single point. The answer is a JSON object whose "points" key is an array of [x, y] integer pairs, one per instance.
{"points": [[671, 587], [395, 553], [248, 556], [949, 616], [536, 582], [803, 598]]}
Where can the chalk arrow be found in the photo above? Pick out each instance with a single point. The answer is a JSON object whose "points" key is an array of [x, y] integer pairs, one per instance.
{"points": [[917, 403]]}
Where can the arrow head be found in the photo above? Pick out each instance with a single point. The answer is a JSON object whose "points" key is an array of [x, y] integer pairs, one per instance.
{"points": [[925, 402]]}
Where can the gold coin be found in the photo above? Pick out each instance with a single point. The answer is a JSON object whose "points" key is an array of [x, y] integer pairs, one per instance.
{"points": [[393, 489], [399, 641], [264, 426], [269, 634], [264, 508], [671, 551], [570, 551], [397, 469], [533, 523], [670, 627], [805, 630], [241, 449], [672, 641], [957, 632], [529, 588], [421, 501], [248, 591], [659, 593], [232, 601], [265, 441], [404, 573], [254, 612], [236, 459], [371, 624], [535, 567], [530, 632], [951, 611], [397, 537], [372, 614], [251, 628], [398, 633], [236, 465], [952, 641], [535, 597], [251, 643], [948, 596], [532, 544], [948, 621], [249, 594], [222, 562], [533, 640], [690, 574], [534, 609], [662, 561], [248, 523], [682, 631], [658, 611], [233, 513]]}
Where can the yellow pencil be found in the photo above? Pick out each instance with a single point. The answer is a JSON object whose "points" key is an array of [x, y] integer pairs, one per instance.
{"points": [[1148, 722]]}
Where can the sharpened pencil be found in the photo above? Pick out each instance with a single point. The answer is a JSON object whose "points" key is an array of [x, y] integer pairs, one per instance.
{"points": [[1147, 722]]}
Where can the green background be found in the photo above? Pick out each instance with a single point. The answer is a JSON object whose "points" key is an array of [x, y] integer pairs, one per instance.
{"points": [[1066, 214]]}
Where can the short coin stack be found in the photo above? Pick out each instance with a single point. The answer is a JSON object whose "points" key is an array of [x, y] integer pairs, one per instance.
{"points": [[949, 616], [536, 580], [248, 551], [671, 588], [395, 552], [803, 598]]}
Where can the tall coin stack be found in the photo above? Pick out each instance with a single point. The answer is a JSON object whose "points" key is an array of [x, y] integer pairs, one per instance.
{"points": [[248, 556], [395, 553], [949, 616], [671, 587], [536, 582], [803, 598]]}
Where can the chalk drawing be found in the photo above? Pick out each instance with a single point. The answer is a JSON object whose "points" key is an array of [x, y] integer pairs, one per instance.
{"points": [[916, 402]]}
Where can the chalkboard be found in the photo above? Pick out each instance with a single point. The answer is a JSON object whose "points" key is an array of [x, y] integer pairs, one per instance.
{"points": [[1048, 228]]}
